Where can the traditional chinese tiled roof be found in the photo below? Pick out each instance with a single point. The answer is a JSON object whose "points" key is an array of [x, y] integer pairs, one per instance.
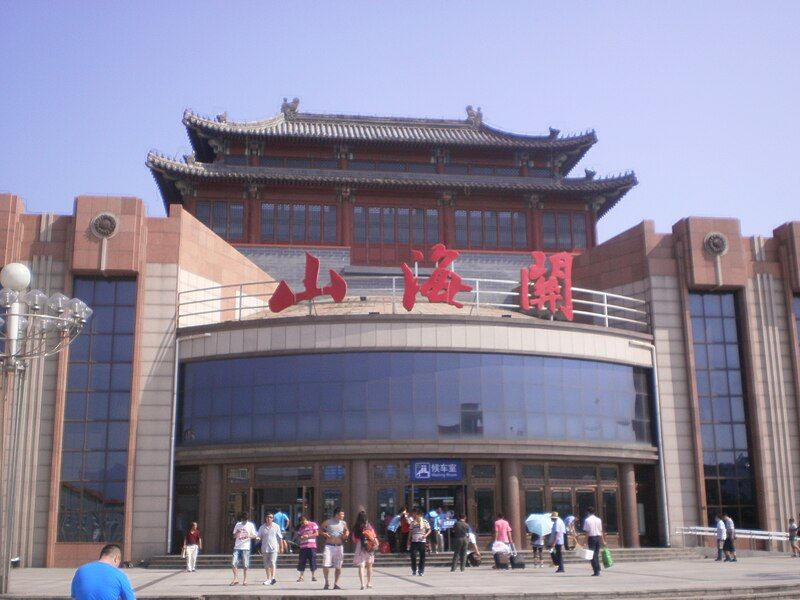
{"points": [[291, 125], [168, 170]]}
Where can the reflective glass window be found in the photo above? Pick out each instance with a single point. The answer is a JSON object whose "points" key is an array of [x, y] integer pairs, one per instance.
{"points": [[723, 429], [96, 416], [359, 224], [408, 395]]}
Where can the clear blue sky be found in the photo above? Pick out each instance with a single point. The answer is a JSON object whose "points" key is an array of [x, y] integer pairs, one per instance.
{"points": [[701, 99]]}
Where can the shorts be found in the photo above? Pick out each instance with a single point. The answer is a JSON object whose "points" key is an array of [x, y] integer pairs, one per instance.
{"points": [[244, 556], [728, 545], [270, 559], [333, 556]]}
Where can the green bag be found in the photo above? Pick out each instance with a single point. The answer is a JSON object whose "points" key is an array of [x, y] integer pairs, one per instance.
{"points": [[605, 555]]}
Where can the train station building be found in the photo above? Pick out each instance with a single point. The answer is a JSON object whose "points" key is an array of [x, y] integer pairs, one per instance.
{"points": [[383, 312]]}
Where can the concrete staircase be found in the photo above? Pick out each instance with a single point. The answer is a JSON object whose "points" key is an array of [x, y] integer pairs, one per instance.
{"points": [[286, 561]]}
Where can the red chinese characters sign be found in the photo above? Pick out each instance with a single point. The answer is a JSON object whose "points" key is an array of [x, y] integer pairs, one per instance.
{"points": [[547, 284], [442, 285], [284, 297]]}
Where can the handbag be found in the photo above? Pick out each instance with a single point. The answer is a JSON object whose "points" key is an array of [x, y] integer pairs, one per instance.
{"points": [[608, 560]]}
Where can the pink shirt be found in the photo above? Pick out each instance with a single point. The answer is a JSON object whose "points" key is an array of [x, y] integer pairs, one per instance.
{"points": [[310, 528], [502, 530]]}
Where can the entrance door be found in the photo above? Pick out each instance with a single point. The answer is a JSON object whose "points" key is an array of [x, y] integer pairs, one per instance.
{"points": [[292, 500], [584, 500], [430, 498]]}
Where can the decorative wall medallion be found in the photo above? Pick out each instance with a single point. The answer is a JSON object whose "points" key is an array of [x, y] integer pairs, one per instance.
{"points": [[104, 225], [715, 243]]}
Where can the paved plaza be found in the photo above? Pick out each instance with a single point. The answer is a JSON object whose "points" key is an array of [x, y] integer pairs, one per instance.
{"points": [[700, 578]]}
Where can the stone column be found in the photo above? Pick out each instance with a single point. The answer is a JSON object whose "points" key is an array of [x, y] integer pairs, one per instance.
{"points": [[211, 508], [630, 514], [359, 486], [511, 500]]}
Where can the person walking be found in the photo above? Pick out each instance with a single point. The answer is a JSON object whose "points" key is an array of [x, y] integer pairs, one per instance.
{"points": [[502, 535], [537, 545], [335, 532], [557, 540], [192, 544], [405, 526], [571, 537], [593, 528], [307, 534], [440, 519], [272, 543], [730, 532], [102, 579], [243, 533], [366, 544], [281, 519], [418, 532], [721, 535], [793, 537], [460, 540]]}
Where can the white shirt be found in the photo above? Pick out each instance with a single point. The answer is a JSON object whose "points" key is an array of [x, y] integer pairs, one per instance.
{"points": [[593, 526], [721, 533], [242, 532], [557, 533], [269, 536]]}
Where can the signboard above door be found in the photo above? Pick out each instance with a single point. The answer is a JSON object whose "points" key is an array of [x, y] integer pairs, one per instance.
{"points": [[431, 470]]}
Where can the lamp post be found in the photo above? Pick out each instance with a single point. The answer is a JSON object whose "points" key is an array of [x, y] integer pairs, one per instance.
{"points": [[32, 326]]}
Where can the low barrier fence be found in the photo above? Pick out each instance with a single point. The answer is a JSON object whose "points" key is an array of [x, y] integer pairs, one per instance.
{"points": [[384, 294], [750, 535]]}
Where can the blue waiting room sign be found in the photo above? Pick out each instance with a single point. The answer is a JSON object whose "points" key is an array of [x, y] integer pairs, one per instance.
{"points": [[436, 470]]}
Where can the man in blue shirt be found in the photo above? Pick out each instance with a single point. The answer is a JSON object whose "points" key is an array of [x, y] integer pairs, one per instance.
{"points": [[102, 579], [281, 520]]}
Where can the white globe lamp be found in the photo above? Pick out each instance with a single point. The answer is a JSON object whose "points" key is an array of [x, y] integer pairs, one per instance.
{"points": [[15, 276]]}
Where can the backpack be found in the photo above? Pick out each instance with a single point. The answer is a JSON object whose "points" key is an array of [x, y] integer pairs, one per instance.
{"points": [[369, 540]]}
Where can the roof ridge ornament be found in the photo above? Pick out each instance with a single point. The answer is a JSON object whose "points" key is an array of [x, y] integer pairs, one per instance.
{"points": [[554, 133], [289, 109], [475, 117], [222, 117]]}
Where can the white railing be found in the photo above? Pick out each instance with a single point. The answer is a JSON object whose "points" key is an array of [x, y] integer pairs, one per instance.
{"points": [[741, 534], [384, 294]]}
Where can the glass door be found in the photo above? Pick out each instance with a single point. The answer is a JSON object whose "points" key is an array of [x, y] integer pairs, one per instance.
{"points": [[484, 509], [584, 500]]}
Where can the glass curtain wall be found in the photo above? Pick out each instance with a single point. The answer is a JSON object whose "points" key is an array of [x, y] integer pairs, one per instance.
{"points": [[96, 415], [723, 415], [412, 395]]}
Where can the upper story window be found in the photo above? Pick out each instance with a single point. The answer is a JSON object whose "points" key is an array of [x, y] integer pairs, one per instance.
{"points": [[491, 229], [539, 172], [226, 219], [235, 159], [298, 162], [391, 166], [563, 231], [490, 170], [375, 225], [304, 223], [796, 301]]}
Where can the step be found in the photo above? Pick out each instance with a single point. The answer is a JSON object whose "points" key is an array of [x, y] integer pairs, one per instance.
{"points": [[216, 561]]}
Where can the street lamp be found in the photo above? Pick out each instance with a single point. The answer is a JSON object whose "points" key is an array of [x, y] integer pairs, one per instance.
{"points": [[32, 326]]}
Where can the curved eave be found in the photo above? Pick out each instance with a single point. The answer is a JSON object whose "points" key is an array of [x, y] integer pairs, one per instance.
{"points": [[376, 130], [167, 171]]}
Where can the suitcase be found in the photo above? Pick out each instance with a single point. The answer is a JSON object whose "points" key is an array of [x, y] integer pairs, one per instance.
{"points": [[502, 560], [517, 562]]}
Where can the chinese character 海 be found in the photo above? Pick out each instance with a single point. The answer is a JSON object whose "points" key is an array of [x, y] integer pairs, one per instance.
{"points": [[442, 285]]}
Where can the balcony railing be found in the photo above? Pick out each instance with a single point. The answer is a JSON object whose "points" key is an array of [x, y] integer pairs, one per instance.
{"points": [[384, 295]]}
